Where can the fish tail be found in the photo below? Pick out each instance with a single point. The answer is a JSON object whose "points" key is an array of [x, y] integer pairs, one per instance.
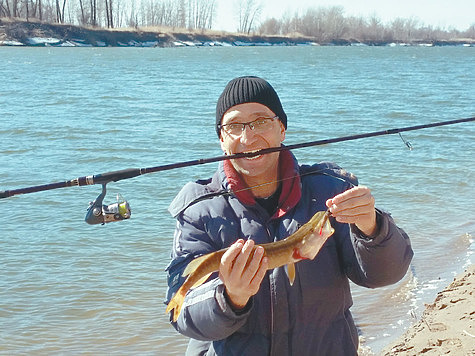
{"points": [[198, 271], [175, 304]]}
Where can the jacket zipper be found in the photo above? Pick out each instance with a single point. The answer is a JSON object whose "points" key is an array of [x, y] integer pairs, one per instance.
{"points": [[272, 300], [263, 212]]}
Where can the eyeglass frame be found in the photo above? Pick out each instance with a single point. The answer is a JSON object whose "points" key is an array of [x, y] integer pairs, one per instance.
{"points": [[244, 124]]}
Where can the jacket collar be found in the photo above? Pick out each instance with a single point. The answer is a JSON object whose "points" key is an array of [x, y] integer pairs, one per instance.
{"points": [[288, 175]]}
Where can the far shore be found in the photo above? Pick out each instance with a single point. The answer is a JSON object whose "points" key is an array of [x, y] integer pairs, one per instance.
{"points": [[41, 34]]}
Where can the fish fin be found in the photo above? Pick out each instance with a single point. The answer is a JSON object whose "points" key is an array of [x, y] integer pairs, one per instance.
{"points": [[201, 281], [297, 256], [194, 264], [175, 304], [291, 273]]}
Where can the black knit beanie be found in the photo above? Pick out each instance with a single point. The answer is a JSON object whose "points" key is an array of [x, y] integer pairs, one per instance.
{"points": [[248, 90]]}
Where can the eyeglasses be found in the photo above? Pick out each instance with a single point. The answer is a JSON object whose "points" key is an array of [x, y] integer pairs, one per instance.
{"points": [[258, 126]]}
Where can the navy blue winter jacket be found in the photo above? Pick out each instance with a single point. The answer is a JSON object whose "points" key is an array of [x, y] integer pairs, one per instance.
{"points": [[312, 316]]}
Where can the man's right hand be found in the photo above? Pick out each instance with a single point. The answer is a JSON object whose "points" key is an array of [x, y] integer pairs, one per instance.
{"points": [[242, 271]]}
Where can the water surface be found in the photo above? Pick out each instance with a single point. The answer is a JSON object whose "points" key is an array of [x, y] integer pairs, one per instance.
{"points": [[70, 288]]}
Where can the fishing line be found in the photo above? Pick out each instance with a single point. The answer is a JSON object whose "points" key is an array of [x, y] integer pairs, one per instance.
{"points": [[99, 213], [115, 176], [229, 192], [407, 143]]}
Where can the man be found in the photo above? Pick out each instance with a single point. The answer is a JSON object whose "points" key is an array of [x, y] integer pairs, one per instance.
{"points": [[245, 309]]}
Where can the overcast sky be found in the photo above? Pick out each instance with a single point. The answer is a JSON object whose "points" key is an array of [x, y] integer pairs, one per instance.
{"points": [[459, 14]]}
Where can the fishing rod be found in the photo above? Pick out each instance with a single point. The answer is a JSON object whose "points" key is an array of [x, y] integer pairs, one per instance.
{"points": [[99, 213]]}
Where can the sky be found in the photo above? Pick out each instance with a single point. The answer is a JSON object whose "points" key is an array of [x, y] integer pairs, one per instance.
{"points": [[446, 14]]}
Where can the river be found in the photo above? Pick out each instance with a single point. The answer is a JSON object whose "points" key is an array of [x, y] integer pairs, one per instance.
{"points": [[67, 287]]}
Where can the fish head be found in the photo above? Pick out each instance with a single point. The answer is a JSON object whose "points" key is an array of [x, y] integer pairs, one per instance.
{"points": [[320, 230]]}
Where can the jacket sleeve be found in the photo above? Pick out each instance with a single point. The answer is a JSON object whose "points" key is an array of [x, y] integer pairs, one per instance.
{"points": [[378, 260], [205, 313]]}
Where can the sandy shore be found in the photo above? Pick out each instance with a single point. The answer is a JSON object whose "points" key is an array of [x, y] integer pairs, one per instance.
{"points": [[447, 325]]}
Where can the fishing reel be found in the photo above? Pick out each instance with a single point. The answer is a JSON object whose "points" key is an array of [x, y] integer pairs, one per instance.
{"points": [[98, 213]]}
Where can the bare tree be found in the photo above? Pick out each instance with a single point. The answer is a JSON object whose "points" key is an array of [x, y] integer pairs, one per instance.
{"points": [[248, 14], [271, 26], [201, 13], [27, 10], [15, 8], [290, 24], [93, 13], [312, 23], [109, 15], [40, 10], [83, 15], [324, 23], [335, 22], [470, 33], [374, 29], [60, 11], [33, 9], [5, 9], [181, 20]]}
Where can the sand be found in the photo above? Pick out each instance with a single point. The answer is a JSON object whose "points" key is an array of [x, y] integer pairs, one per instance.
{"points": [[447, 325]]}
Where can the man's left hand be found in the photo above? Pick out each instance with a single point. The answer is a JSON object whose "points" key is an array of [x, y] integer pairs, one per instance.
{"points": [[355, 206]]}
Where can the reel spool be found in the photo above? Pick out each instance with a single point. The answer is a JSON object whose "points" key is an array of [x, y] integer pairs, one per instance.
{"points": [[98, 213]]}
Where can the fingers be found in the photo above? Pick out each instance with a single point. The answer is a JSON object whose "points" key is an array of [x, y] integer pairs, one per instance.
{"points": [[353, 202], [242, 270], [245, 265], [355, 206], [243, 261], [260, 265], [227, 261]]}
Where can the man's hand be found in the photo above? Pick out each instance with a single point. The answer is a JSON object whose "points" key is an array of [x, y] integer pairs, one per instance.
{"points": [[355, 206], [242, 271]]}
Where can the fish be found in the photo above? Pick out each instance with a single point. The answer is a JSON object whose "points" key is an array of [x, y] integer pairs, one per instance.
{"points": [[303, 244]]}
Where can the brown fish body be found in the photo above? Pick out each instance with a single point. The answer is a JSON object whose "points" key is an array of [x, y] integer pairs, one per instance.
{"points": [[305, 243]]}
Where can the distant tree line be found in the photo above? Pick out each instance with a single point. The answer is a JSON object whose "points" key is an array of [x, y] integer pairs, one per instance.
{"points": [[328, 24], [190, 14], [325, 24]]}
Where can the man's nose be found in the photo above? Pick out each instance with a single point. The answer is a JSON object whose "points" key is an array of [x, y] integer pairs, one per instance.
{"points": [[247, 134]]}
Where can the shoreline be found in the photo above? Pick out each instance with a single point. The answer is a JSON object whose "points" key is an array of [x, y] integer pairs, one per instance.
{"points": [[41, 34], [447, 324]]}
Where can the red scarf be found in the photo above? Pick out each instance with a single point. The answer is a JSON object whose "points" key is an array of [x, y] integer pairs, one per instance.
{"points": [[291, 190]]}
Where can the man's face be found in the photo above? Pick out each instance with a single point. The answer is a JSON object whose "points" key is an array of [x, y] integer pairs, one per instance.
{"points": [[261, 168]]}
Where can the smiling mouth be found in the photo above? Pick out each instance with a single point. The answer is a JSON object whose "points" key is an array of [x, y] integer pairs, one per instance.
{"points": [[253, 157]]}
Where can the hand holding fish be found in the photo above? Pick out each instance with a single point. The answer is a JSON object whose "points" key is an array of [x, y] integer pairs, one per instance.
{"points": [[355, 206], [242, 270], [242, 266]]}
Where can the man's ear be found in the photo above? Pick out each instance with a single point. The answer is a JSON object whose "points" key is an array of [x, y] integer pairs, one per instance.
{"points": [[221, 142], [282, 132]]}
